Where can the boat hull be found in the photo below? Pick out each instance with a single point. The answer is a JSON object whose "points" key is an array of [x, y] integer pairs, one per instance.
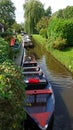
{"points": [[30, 124], [40, 109]]}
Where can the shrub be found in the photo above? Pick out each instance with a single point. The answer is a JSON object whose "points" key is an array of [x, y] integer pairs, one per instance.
{"points": [[12, 91], [59, 43], [19, 37], [5, 34], [43, 32], [12, 94], [4, 50], [61, 28]]}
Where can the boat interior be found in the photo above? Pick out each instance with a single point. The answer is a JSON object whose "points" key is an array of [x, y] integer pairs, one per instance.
{"points": [[37, 85], [38, 102]]}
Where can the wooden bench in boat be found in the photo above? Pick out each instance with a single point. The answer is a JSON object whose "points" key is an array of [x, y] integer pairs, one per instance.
{"points": [[30, 73], [36, 92], [29, 64], [32, 67]]}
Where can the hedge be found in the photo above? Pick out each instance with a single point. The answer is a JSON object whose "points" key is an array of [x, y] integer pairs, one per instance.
{"points": [[61, 28]]}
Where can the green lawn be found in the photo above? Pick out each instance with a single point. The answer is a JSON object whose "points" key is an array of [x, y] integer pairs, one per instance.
{"points": [[65, 56]]}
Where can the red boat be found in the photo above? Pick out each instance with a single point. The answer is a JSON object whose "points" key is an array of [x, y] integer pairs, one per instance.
{"points": [[39, 108]]}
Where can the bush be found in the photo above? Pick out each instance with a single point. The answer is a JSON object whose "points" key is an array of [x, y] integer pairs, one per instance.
{"points": [[59, 43], [61, 28], [12, 91], [19, 37], [12, 94], [4, 50], [5, 34], [43, 32]]}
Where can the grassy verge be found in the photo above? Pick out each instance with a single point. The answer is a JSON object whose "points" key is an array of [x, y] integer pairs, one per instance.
{"points": [[39, 39], [65, 56]]}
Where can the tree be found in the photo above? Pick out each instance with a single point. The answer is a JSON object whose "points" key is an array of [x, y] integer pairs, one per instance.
{"points": [[34, 10], [42, 26], [48, 12], [66, 13], [7, 13], [17, 27], [60, 29]]}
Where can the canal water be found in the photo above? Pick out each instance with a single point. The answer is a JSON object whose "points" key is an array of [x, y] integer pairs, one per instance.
{"points": [[62, 82]]}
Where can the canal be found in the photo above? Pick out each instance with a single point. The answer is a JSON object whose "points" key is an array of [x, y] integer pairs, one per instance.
{"points": [[62, 83]]}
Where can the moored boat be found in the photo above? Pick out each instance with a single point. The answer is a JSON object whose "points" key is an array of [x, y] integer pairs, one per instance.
{"points": [[39, 109], [35, 80], [40, 100], [29, 61], [27, 42]]}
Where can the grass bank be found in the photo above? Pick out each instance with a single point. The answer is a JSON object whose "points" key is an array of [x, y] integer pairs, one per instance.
{"points": [[65, 56], [39, 39]]}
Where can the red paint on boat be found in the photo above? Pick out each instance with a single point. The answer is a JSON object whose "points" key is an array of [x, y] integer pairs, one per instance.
{"points": [[34, 80], [41, 118], [35, 92]]}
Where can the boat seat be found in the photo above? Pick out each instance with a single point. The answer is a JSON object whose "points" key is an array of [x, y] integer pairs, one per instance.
{"points": [[40, 85], [27, 64]]}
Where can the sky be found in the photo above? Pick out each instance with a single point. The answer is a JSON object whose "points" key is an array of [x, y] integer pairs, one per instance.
{"points": [[55, 5]]}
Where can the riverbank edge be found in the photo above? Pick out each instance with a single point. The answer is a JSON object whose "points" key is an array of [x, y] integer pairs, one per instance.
{"points": [[58, 57]]}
